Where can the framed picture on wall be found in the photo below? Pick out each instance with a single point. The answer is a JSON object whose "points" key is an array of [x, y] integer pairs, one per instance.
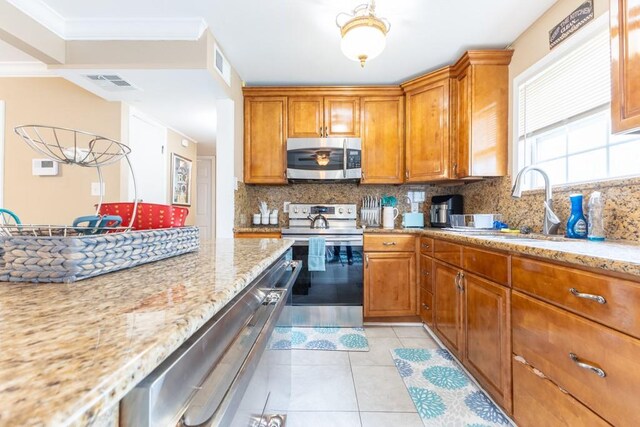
{"points": [[180, 180]]}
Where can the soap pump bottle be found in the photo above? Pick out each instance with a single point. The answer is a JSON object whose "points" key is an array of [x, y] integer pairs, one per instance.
{"points": [[577, 224], [596, 220]]}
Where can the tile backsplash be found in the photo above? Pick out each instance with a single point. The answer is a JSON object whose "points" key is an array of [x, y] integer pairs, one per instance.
{"points": [[621, 197]]}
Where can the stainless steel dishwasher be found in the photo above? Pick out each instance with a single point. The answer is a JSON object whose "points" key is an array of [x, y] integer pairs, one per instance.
{"points": [[226, 374]]}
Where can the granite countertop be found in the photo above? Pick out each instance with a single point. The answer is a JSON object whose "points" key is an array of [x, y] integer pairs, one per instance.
{"points": [[258, 229], [70, 352], [615, 255]]}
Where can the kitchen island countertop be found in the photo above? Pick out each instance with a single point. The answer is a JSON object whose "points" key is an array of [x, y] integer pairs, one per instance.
{"points": [[615, 256], [70, 352]]}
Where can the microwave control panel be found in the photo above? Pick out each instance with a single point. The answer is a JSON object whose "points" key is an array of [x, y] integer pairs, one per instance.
{"points": [[354, 159]]}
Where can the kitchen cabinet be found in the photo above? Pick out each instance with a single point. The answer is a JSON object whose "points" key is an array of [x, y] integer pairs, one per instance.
{"points": [[428, 127], [382, 140], [324, 116], [390, 276], [480, 144], [625, 65], [488, 336], [257, 235], [448, 311], [265, 123]]}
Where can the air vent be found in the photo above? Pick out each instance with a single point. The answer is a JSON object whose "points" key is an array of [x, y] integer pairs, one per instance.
{"points": [[111, 82], [222, 65]]}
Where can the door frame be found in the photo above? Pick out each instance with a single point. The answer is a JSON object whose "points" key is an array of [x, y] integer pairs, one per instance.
{"points": [[2, 137], [212, 200]]}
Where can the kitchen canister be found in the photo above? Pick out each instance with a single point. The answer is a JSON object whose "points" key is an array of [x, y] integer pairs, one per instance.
{"points": [[389, 216], [265, 219], [273, 218], [256, 219]]}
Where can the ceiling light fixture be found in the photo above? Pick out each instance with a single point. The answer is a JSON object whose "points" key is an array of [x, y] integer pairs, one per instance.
{"points": [[363, 33]]}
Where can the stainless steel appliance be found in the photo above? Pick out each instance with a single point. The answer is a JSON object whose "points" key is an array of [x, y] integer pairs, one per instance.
{"points": [[332, 297], [226, 374], [324, 159], [442, 207]]}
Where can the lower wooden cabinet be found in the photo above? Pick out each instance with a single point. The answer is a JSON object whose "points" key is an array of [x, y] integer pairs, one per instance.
{"points": [[247, 235], [539, 402], [448, 307], [390, 284], [488, 336]]}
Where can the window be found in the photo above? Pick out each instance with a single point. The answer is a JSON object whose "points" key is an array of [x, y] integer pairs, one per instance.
{"points": [[564, 119]]}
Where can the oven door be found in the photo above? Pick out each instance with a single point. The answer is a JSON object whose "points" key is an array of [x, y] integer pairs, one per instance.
{"points": [[324, 159], [332, 297]]}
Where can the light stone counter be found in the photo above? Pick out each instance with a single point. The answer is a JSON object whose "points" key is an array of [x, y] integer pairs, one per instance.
{"points": [[616, 256], [69, 353]]}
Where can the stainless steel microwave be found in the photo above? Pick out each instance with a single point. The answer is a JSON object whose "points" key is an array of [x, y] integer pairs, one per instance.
{"points": [[324, 159]]}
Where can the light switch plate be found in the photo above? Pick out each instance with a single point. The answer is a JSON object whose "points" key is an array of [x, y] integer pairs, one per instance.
{"points": [[285, 208], [95, 189]]}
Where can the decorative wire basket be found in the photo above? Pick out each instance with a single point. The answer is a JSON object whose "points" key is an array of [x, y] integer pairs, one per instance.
{"points": [[73, 147]]}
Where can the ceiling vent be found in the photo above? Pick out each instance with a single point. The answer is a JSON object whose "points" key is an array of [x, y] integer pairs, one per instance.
{"points": [[111, 82], [222, 65]]}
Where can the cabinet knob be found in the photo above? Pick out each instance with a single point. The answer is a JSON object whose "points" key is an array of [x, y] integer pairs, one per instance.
{"points": [[424, 245], [425, 273], [425, 306]]}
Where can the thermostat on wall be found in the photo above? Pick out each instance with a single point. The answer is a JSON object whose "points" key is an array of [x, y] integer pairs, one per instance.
{"points": [[44, 167]]}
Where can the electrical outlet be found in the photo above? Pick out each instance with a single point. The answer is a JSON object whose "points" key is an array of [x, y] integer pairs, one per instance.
{"points": [[95, 189], [285, 209]]}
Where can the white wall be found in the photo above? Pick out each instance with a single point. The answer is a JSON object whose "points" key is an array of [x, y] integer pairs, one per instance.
{"points": [[1, 154], [225, 179]]}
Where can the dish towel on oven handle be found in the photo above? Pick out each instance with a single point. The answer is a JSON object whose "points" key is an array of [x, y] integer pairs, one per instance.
{"points": [[316, 254]]}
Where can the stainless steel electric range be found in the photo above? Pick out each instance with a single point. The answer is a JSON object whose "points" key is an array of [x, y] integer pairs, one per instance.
{"points": [[332, 297]]}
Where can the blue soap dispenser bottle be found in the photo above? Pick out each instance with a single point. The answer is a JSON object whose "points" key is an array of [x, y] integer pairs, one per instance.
{"points": [[577, 224]]}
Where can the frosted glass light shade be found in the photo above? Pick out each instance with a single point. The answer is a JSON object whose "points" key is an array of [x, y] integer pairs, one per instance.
{"points": [[363, 42]]}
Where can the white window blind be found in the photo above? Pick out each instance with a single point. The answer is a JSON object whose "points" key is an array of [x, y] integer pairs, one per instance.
{"points": [[577, 83]]}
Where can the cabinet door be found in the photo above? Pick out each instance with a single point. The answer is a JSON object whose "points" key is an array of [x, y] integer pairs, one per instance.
{"points": [[448, 307], [383, 140], [625, 64], [390, 284], [426, 306], [488, 336], [265, 125], [427, 157], [306, 117], [342, 116], [462, 162]]}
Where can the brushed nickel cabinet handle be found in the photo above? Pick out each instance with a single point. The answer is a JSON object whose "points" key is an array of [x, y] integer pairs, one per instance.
{"points": [[425, 306], [597, 298], [389, 243], [367, 259], [424, 245], [406, 174], [599, 372], [459, 279], [320, 131], [425, 273]]}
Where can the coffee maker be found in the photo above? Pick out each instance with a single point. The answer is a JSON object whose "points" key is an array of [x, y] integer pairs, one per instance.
{"points": [[442, 207]]}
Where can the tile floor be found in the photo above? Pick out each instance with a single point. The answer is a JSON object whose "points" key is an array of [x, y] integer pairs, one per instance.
{"points": [[355, 389]]}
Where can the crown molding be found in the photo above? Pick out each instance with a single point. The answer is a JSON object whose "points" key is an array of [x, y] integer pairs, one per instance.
{"points": [[25, 69], [186, 29]]}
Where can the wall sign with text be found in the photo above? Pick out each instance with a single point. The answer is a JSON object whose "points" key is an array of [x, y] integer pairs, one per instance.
{"points": [[571, 24]]}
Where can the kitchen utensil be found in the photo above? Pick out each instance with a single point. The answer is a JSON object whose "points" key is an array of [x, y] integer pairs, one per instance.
{"points": [[149, 215], [96, 224], [7, 212], [389, 214]]}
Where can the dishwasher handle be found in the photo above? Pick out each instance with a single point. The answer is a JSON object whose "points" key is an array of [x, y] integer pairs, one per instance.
{"points": [[205, 411]]}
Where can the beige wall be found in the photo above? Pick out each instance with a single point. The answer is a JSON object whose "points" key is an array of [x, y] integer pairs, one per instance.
{"points": [[56, 102], [174, 145]]}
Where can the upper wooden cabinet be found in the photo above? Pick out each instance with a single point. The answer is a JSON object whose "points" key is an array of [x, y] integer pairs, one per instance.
{"points": [[625, 65], [427, 127], [482, 103], [383, 140], [328, 116], [265, 123]]}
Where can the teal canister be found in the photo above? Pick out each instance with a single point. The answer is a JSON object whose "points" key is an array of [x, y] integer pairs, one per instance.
{"points": [[577, 223]]}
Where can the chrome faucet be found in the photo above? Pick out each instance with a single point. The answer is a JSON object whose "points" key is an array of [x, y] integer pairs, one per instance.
{"points": [[551, 221]]}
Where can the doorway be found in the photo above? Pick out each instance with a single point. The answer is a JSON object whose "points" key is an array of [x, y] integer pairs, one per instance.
{"points": [[205, 195], [148, 142], [1, 154]]}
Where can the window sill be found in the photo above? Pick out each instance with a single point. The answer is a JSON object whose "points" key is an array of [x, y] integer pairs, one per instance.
{"points": [[588, 186]]}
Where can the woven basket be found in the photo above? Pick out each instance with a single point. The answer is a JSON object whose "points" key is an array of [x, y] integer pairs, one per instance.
{"points": [[68, 259]]}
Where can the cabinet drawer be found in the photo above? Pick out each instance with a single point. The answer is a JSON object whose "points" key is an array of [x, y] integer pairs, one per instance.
{"points": [[426, 306], [554, 283], [426, 272], [389, 243], [275, 235], [447, 252], [426, 246], [492, 265], [558, 343], [539, 402]]}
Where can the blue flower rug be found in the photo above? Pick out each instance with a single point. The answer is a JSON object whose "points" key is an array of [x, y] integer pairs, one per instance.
{"points": [[336, 339], [442, 392]]}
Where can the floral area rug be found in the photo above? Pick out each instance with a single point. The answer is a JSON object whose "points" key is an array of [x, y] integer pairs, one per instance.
{"points": [[442, 392], [336, 339]]}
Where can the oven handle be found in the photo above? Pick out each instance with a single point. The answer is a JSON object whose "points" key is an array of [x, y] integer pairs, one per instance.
{"points": [[330, 243], [215, 413]]}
